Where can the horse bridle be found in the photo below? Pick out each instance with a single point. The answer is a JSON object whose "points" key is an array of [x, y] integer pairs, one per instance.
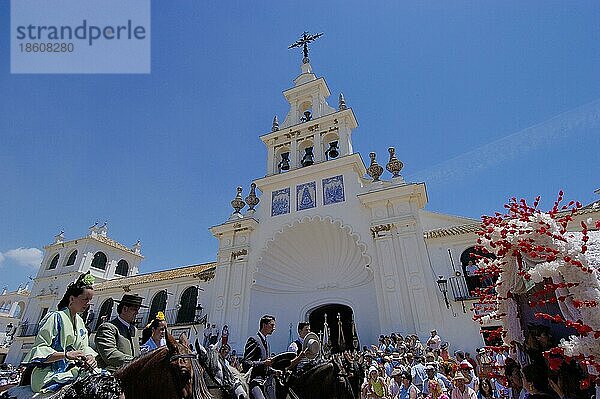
{"points": [[177, 357]]}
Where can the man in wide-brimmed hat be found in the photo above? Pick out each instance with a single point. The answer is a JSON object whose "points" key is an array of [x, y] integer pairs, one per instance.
{"points": [[116, 340], [461, 390]]}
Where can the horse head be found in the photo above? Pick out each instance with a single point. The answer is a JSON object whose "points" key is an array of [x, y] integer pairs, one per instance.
{"points": [[169, 372], [180, 362]]}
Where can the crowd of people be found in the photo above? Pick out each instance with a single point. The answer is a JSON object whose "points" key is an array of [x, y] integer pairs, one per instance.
{"points": [[397, 367], [405, 368]]}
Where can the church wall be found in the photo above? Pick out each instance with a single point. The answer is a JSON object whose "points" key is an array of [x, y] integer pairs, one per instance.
{"points": [[353, 216], [459, 329]]}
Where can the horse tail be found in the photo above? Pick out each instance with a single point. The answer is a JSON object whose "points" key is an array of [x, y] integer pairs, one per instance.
{"points": [[200, 390]]}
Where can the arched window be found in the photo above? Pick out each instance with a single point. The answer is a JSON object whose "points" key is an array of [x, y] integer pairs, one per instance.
{"points": [[19, 310], [99, 261], [331, 146], [54, 262], [187, 306], [72, 257], [159, 304], [473, 277], [305, 153], [122, 268], [105, 312]]}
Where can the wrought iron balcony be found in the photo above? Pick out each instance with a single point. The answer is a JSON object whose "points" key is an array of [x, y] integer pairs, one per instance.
{"points": [[173, 317], [463, 286], [460, 289], [28, 330]]}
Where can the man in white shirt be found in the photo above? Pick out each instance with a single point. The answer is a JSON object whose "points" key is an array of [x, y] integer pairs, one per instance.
{"points": [[434, 342], [296, 346]]}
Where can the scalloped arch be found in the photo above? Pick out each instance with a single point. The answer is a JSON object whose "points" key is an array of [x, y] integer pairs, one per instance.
{"points": [[312, 254]]}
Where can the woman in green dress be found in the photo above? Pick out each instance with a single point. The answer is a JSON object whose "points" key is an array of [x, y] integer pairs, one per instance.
{"points": [[62, 339]]}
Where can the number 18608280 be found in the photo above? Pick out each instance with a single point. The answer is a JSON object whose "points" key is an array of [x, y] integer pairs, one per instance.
{"points": [[47, 47]]}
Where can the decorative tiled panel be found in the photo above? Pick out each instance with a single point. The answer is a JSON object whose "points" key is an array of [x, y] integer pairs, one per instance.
{"points": [[306, 196], [280, 202], [333, 190]]}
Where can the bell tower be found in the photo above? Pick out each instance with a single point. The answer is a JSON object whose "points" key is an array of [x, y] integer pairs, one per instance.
{"points": [[313, 131]]}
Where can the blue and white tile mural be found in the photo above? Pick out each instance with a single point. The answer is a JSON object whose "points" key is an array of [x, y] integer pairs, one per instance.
{"points": [[306, 196], [280, 202], [333, 190]]}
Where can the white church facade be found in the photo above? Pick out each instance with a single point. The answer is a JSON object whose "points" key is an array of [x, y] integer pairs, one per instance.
{"points": [[329, 235]]}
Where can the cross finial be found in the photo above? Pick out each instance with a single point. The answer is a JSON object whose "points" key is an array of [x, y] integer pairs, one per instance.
{"points": [[303, 42]]}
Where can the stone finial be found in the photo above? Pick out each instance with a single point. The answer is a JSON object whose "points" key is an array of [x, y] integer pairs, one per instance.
{"points": [[374, 170], [342, 103], [103, 230], [94, 229], [394, 165], [275, 124], [59, 238], [238, 203], [252, 200], [137, 247]]}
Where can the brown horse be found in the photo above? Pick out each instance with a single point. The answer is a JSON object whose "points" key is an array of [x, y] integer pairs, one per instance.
{"points": [[170, 372]]}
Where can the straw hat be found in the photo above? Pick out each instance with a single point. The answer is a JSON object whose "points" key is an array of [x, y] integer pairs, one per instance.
{"points": [[312, 343]]}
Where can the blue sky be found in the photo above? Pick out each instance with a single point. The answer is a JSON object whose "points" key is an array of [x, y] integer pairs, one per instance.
{"points": [[482, 100]]}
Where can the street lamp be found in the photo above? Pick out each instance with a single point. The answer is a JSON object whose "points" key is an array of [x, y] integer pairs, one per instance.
{"points": [[443, 287]]}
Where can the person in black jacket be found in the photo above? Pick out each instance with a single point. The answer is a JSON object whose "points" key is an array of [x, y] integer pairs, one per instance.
{"points": [[257, 357]]}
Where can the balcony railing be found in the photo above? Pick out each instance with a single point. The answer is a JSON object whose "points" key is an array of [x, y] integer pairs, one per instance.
{"points": [[173, 317], [463, 286], [460, 288], [28, 330]]}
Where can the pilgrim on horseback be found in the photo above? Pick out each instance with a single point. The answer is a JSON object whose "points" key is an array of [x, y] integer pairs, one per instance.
{"points": [[257, 358], [320, 378], [153, 335], [62, 340], [222, 380], [116, 340]]}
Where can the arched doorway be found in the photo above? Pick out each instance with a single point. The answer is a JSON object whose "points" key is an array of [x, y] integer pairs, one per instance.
{"points": [[187, 310], [345, 323], [105, 312], [473, 278]]}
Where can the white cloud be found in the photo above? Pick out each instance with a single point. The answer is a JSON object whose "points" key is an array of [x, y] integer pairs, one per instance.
{"points": [[582, 122], [29, 257]]}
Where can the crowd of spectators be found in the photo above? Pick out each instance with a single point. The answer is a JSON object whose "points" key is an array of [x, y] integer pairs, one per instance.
{"points": [[405, 368]]}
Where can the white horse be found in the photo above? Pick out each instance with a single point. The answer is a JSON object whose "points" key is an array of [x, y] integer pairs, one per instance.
{"points": [[224, 382]]}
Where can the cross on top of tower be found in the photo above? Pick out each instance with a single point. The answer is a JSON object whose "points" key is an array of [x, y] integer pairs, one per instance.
{"points": [[303, 42]]}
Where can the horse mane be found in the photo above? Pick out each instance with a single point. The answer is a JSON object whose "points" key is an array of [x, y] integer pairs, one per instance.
{"points": [[141, 361]]}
